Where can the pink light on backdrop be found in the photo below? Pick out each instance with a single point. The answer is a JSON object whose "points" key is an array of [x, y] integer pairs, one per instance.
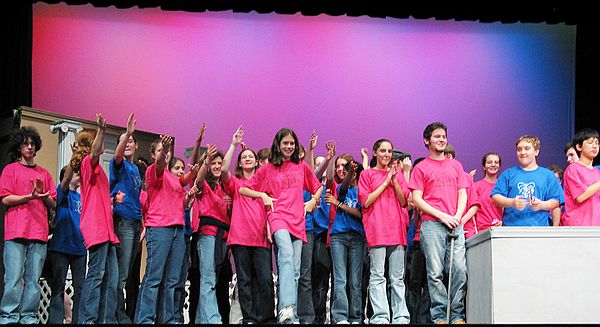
{"points": [[351, 79]]}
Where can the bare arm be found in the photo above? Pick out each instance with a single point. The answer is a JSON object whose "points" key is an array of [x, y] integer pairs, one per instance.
{"points": [[64, 183], [161, 160], [375, 194], [311, 150], [421, 204], [365, 158], [195, 150], [211, 152], [589, 192], [556, 213], [470, 214], [120, 150], [236, 139], [97, 148], [398, 190]]}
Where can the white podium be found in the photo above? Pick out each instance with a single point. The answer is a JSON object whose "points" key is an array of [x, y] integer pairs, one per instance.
{"points": [[534, 275]]}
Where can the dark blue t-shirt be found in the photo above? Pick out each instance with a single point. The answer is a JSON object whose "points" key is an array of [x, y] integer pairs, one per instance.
{"points": [[345, 222], [67, 236], [126, 178]]}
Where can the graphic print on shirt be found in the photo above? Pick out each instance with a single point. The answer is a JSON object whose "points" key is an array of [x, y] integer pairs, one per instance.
{"points": [[527, 190]]}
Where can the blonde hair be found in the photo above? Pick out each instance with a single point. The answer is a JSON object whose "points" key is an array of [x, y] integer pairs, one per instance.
{"points": [[534, 140]]}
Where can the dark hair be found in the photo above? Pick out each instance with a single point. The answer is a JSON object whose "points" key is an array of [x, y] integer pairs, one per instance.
{"points": [[557, 170], [450, 150], [583, 135], [417, 161], [239, 172], [20, 136], [132, 136], [263, 154], [174, 161], [142, 165], [568, 146], [484, 158], [344, 188], [212, 180], [346, 157], [432, 127], [275, 157], [376, 146], [61, 174], [400, 155]]}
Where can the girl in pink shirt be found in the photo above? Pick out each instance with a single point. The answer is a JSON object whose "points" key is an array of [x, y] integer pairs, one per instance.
{"points": [[489, 215], [214, 224], [279, 184], [164, 237], [582, 182], [382, 193], [248, 238], [99, 294]]}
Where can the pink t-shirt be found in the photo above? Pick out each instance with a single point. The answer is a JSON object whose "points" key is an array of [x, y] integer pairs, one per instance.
{"points": [[248, 217], [96, 210], [472, 200], [383, 220], [165, 199], [285, 184], [212, 204], [488, 215], [439, 180], [28, 220], [577, 178]]}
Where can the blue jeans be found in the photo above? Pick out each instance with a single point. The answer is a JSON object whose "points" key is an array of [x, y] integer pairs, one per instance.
{"points": [[99, 293], [436, 247], [60, 267], [23, 263], [377, 285], [165, 247], [128, 232], [306, 309], [179, 294], [208, 309], [289, 250], [347, 254]]}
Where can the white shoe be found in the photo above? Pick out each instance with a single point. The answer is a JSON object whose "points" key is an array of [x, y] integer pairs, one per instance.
{"points": [[286, 315], [343, 322]]}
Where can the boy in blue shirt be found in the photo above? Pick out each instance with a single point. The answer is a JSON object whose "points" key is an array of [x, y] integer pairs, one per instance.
{"points": [[527, 192]]}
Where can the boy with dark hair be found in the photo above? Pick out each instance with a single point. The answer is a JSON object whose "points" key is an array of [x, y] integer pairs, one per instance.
{"points": [[527, 192], [582, 182], [438, 186], [27, 191]]}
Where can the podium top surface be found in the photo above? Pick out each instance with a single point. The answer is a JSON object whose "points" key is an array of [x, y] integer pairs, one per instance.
{"points": [[534, 232]]}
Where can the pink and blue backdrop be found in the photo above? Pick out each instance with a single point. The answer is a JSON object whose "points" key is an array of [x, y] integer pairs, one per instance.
{"points": [[351, 79]]}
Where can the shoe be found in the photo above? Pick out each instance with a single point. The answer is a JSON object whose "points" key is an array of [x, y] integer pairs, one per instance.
{"points": [[459, 322], [286, 315], [343, 322], [441, 322]]}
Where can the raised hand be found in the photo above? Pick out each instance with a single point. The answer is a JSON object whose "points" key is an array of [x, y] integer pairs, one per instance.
{"points": [[313, 140], [405, 164], [131, 124], [211, 153], [330, 148], [238, 136], [202, 133], [100, 121], [364, 153]]}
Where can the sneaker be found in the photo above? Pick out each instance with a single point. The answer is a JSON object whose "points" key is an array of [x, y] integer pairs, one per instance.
{"points": [[459, 322], [343, 322], [286, 315], [441, 322]]}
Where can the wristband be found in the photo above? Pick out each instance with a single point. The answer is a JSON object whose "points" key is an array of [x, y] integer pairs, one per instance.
{"points": [[339, 204]]}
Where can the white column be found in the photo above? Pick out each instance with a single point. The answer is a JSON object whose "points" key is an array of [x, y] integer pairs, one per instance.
{"points": [[67, 130]]}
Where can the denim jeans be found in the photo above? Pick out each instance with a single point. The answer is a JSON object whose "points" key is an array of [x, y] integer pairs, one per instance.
{"points": [[347, 255], [255, 283], [208, 309], [306, 310], [289, 251], [179, 295], [99, 293], [165, 247], [377, 285], [60, 267], [436, 247], [23, 263], [128, 232], [321, 270]]}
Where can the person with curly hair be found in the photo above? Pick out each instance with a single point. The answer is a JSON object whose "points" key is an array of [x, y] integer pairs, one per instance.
{"points": [[27, 190]]}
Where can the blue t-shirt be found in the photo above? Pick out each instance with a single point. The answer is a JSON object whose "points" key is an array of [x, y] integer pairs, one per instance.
{"points": [[540, 183], [67, 236], [126, 178], [320, 217], [309, 217], [345, 222]]}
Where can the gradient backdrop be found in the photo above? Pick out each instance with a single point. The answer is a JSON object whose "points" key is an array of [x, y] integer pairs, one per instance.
{"points": [[351, 79]]}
